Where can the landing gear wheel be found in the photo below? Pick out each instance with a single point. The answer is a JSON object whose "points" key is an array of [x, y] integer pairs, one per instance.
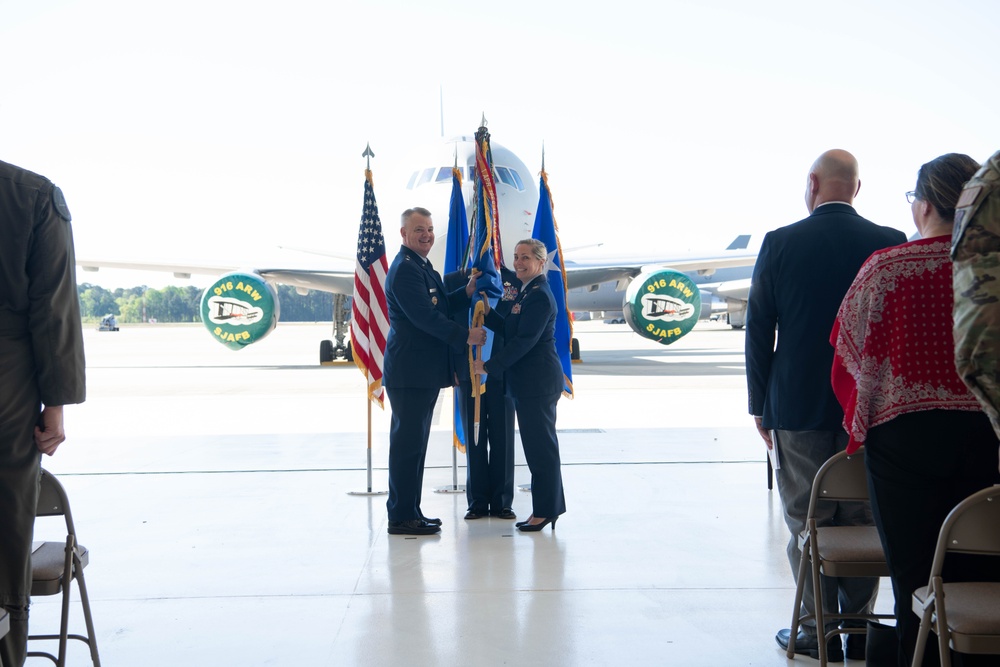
{"points": [[574, 350], [326, 354]]}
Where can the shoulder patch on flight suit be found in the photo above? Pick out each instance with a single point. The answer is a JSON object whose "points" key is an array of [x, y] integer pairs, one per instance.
{"points": [[969, 196], [965, 209], [59, 202]]}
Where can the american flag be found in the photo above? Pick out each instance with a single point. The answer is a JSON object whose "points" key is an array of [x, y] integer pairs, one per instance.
{"points": [[369, 318]]}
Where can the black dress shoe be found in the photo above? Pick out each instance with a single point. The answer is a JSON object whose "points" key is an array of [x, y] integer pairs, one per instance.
{"points": [[431, 520], [505, 513], [413, 527], [475, 513], [807, 644]]}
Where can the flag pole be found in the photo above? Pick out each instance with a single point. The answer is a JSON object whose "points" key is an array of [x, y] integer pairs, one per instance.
{"points": [[365, 367], [369, 446]]}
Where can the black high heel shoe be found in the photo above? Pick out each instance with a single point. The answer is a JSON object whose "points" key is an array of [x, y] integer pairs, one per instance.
{"points": [[525, 522], [534, 528]]}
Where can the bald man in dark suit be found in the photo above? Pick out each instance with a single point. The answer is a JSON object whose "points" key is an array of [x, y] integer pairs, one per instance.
{"points": [[802, 272]]}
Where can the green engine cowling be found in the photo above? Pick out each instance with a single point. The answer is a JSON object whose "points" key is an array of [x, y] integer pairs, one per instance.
{"points": [[662, 305], [239, 309]]}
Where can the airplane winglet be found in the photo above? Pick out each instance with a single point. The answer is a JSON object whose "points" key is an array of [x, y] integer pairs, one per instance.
{"points": [[740, 243]]}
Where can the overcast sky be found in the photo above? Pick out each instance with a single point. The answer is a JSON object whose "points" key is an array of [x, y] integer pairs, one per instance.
{"points": [[197, 128]]}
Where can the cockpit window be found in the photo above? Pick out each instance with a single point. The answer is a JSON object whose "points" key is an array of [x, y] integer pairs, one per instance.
{"points": [[509, 177], [517, 179], [504, 174], [425, 176]]}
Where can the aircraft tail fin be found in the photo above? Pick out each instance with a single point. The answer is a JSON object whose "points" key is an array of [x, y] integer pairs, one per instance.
{"points": [[740, 243]]}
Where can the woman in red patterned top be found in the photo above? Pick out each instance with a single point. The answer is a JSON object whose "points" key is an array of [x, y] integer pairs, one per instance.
{"points": [[929, 445]]}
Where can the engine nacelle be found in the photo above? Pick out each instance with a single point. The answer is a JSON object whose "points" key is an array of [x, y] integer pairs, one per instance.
{"points": [[662, 305], [240, 309]]}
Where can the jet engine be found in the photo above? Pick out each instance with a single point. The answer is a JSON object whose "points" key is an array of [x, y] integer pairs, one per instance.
{"points": [[662, 305], [240, 309]]}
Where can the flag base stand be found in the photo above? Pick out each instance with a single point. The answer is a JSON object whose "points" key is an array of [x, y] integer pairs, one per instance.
{"points": [[524, 487], [454, 487], [369, 492]]}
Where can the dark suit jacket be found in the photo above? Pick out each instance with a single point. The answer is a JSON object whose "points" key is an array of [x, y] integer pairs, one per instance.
{"points": [[529, 350], [422, 336], [801, 275]]}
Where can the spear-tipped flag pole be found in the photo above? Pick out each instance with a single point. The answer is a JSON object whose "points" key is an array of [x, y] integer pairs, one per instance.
{"points": [[487, 256], [369, 315], [547, 232]]}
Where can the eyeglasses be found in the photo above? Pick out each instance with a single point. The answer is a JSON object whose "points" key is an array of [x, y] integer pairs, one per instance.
{"points": [[911, 196]]}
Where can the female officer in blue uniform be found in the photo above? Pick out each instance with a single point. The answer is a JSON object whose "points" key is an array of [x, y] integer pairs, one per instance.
{"points": [[534, 380]]}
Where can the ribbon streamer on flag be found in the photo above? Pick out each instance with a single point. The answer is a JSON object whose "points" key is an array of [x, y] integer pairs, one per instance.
{"points": [[487, 256]]}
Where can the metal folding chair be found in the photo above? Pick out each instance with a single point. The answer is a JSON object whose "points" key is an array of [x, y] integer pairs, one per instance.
{"points": [[54, 565], [965, 615], [836, 551]]}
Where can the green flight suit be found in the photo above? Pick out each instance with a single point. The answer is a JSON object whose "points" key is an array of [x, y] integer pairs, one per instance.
{"points": [[41, 363], [976, 255]]}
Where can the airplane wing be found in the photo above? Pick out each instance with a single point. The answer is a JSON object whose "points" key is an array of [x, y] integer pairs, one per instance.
{"points": [[583, 273], [323, 280], [662, 297], [337, 282]]}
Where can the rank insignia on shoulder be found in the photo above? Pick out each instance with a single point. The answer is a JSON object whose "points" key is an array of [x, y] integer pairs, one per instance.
{"points": [[59, 202]]}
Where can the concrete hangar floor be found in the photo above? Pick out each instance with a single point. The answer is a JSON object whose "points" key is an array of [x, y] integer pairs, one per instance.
{"points": [[212, 489]]}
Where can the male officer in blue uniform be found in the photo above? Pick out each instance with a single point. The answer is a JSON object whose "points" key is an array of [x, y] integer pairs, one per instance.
{"points": [[418, 363]]}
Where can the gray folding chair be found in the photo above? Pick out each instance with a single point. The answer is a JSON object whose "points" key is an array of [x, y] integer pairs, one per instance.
{"points": [[836, 551], [965, 615], [54, 565]]}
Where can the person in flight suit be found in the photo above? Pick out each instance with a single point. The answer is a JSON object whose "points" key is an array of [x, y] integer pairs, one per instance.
{"points": [[41, 370], [534, 380], [418, 363], [489, 486], [975, 252]]}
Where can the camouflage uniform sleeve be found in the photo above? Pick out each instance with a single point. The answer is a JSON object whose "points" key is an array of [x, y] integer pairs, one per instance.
{"points": [[976, 255], [54, 306]]}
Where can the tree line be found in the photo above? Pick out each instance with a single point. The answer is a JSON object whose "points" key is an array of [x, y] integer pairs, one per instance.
{"points": [[183, 304]]}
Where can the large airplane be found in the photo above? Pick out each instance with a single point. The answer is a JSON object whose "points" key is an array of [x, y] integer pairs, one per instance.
{"points": [[660, 296]]}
